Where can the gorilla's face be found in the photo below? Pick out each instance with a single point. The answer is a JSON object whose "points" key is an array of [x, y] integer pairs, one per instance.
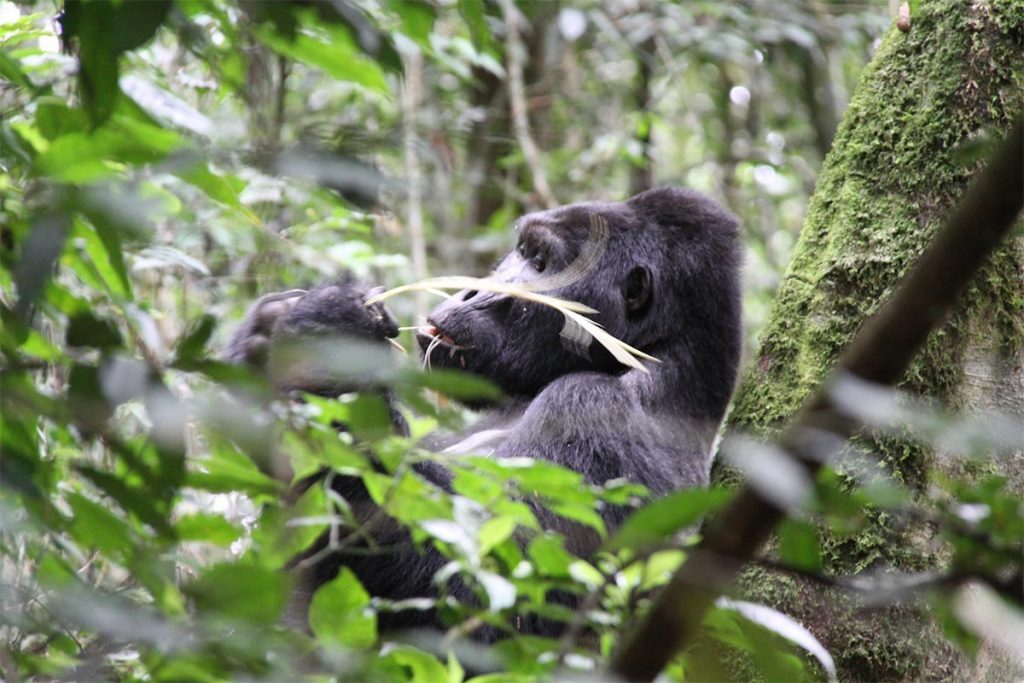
{"points": [[520, 345]]}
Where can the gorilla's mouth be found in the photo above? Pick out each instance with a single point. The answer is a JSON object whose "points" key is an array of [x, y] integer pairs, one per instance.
{"points": [[432, 339]]}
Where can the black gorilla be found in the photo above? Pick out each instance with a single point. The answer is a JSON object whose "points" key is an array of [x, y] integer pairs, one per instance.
{"points": [[666, 283]]}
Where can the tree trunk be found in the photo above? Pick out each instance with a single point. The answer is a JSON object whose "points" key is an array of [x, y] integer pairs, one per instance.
{"points": [[897, 167]]}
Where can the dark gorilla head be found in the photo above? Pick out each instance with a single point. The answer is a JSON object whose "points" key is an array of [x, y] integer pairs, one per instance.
{"points": [[666, 283]]}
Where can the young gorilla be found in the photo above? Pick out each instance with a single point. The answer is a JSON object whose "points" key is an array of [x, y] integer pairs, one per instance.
{"points": [[667, 283]]}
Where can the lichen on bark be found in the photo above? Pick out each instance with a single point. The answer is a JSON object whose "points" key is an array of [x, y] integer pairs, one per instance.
{"points": [[900, 161]]}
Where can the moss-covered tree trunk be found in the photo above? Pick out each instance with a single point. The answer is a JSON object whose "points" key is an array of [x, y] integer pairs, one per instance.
{"points": [[897, 167]]}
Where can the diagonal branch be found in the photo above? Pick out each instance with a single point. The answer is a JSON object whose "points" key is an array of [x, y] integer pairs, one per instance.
{"points": [[880, 353]]}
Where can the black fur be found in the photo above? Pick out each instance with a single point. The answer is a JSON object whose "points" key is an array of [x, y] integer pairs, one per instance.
{"points": [[667, 284]]}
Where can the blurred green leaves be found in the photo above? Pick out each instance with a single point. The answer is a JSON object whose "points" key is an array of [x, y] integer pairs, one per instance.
{"points": [[105, 29], [151, 494], [246, 591]]}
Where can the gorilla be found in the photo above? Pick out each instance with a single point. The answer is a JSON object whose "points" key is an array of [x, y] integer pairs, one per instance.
{"points": [[666, 282]]}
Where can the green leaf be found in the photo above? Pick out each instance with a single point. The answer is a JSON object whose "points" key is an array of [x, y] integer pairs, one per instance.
{"points": [[94, 526], [369, 418], [495, 531], [221, 188], [461, 386], [585, 573], [663, 517], [104, 29], [207, 528], [243, 590], [228, 470], [423, 667], [53, 572], [473, 13], [339, 613], [192, 344], [504, 677], [799, 545], [86, 157], [54, 118], [111, 261], [476, 486], [456, 674], [336, 53], [408, 498], [578, 512], [287, 530], [137, 501], [11, 71], [550, 557], [417, 19]]}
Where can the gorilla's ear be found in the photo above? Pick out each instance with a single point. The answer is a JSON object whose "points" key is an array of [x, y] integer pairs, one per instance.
{"points": [[637, 289]]}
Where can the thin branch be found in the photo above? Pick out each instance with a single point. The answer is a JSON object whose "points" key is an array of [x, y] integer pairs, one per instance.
{"points": [[411, 96], [880, 353], [517, 101], [283, 69]]}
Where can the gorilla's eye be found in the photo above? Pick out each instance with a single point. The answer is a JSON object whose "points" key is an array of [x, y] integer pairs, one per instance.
{"points": [[538, 263]]}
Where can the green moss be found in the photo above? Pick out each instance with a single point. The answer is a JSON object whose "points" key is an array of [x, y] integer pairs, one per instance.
{"points": [[895, 172]]}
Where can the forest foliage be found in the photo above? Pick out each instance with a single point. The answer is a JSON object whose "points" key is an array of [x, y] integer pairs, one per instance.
{"points": [[163, 163]]}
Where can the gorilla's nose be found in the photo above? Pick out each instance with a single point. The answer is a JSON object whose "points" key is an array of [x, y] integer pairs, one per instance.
{"points": [[473, 302]]}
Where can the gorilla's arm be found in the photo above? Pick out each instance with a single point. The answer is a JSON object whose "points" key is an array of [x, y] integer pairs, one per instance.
{"points": [[336, 315]]}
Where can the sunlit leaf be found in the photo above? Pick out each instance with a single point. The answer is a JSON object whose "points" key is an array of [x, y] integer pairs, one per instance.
{"points": [[87, 157], [422, 667], [549, 555], [339, 613], [208, 528], [501, 593]]}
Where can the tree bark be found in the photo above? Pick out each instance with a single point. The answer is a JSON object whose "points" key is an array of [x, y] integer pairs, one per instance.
{"points": [[897, 167]]}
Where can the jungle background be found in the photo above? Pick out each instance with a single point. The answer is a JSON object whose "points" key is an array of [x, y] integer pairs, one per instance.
{"points": [[164, 163]]}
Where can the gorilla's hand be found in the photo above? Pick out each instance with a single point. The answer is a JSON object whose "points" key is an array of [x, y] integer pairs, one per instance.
{"points": [[250, 343], [337, 309], [294, 335]]}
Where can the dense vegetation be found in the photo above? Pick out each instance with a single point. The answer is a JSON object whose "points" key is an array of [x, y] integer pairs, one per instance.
{"points": [[163, 163]]}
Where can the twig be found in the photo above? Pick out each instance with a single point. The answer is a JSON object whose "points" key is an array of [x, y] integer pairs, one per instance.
{"points": [[517, 103], [410, 109]]}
